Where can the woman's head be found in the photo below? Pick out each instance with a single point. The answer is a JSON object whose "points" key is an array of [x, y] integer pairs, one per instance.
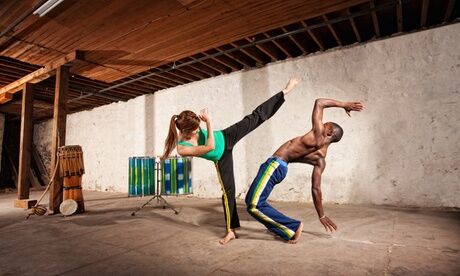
{"points": [[187, 122]]}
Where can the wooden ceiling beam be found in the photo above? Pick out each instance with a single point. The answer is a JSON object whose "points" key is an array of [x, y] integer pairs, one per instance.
{"points": [[313, 36], [235, 58], [375, 20], [209, 66], [353, 25], [120, 92], [263, 50], [179, 75], [334, 34], [247, 53], [163, 80], [424, 14], [292, 38], [278, 46], [197, 68], [399, 16], [5, 97], [149, 82], [226, 64], [449, 10], [187, 72], [42, 73]]}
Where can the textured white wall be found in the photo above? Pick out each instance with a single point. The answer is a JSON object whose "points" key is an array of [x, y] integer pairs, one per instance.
{"points": [[402, 150]]}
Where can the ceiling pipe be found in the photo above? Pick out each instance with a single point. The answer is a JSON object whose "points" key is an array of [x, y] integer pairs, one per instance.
{"points": [[21, 18]]}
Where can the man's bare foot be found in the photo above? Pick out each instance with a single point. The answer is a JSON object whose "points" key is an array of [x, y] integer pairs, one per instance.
{"points": [[290, 85], [230, 236], [297, 234]]}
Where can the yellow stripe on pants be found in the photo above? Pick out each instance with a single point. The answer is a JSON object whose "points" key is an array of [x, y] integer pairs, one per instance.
{"points": [[227, 210]]}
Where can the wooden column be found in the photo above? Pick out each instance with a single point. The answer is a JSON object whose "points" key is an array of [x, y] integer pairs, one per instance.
{"points": [[58, 135], [25, 148]]}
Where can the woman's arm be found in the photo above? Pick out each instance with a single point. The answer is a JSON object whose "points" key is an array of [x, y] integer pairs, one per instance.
{"points": [[200, 150]]}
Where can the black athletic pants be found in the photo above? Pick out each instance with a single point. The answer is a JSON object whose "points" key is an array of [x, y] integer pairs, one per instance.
{"points": [[224, 166]]}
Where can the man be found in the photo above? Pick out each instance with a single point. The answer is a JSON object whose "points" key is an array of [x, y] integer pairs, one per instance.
{"points": [[310, 148]]}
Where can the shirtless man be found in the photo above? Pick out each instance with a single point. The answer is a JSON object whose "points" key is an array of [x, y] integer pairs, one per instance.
{"points": [[310, 148]]}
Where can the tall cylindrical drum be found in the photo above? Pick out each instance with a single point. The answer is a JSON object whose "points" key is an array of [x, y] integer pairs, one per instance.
{"points": [[71, 169]]}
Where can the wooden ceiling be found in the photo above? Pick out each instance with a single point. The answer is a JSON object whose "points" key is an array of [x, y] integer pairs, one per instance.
{"points": [[135, 47], [124, 37]]}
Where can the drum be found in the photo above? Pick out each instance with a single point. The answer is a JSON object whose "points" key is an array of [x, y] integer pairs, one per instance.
{"points": [[176, 176], [72, 168], [141, 176], [71, 161]]}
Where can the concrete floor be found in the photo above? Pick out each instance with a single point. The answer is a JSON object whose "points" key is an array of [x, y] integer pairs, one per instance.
{"points": [[108, 240]]}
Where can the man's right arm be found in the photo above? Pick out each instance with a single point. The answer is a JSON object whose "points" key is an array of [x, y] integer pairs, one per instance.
{"points": [[317, 116], [321, 104]]}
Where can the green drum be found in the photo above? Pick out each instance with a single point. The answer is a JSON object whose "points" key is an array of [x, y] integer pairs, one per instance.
{"points": [[176, 176], [141, 177]]}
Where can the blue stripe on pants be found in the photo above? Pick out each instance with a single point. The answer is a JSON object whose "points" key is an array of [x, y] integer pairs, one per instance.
{"points": [[270, 173]]}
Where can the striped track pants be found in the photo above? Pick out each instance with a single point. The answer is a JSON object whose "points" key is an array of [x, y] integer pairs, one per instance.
{"points": [[270, 173]]}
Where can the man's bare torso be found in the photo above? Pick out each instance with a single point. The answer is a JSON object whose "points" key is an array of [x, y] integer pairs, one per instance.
{"points": [[302, 149]]}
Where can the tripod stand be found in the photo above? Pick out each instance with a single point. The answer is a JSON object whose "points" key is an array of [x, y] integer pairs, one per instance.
{"points": [[157, 195]]}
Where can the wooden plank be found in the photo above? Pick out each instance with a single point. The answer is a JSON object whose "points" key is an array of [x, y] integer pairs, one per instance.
{"points": [[263, 50], [313, 36], [24, 203], [42, 73], [279, 46], [5, 97], [247, 53], [127, 25], [226, 64], [44, 175], [355, 28], [449, 10], [34, 180], [212, 74], [13, 166], [58, 135], [336, 37], [234, 57], [399, 16], [210, 67], [375, 20], [292, 38], [423, 16], [25, 145]]}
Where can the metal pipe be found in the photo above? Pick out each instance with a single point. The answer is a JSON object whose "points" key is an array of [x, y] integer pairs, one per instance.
{"points": [[21, 18]]}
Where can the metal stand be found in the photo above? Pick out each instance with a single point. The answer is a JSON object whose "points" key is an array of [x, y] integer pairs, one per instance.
{"points": [[157, 196]]}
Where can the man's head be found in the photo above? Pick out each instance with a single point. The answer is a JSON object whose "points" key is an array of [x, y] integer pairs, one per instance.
{"points": [[333, 131]]}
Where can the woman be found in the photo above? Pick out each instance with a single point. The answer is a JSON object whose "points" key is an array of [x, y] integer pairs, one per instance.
{"points": [[217, 146]]}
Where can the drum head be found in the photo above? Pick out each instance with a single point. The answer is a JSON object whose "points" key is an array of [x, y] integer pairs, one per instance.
{"points": [[68, 207]]}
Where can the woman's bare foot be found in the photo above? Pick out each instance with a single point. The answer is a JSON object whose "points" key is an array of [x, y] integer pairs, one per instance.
{"points": [[297, 234], [230, 236]]}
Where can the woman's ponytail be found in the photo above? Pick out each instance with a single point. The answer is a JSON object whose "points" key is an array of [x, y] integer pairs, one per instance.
{"points": [[171, 139]]}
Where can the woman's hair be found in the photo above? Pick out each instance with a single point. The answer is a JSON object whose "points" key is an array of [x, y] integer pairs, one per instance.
{"points": [[187, 121]]}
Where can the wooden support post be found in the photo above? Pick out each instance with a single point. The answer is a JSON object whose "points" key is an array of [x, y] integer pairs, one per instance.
{"points": [[25, 148], [58, 135]]}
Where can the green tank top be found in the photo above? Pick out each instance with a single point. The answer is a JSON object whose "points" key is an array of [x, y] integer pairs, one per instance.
{"points": [[219, 144]]}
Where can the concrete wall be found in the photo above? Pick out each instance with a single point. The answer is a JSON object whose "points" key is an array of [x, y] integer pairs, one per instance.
{"points": [[402, 150]]}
